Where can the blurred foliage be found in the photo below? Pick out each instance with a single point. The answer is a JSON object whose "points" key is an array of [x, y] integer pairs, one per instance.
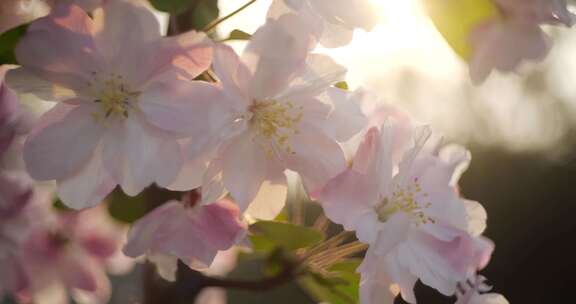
{"points": [[171, 6], [342, 85], [8, 42], [238, 35], [255, 266], [267, 235], [7, 300], [456, 19], [196, 16], [59, 205], [129, 209], [340, 286]]}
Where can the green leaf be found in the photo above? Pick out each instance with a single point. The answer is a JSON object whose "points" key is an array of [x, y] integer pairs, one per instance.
{"points": [[455, 20], [8, 42], [125, 208], [339, 287], [285, 235], [59, 205], [336, 294], [238, 35], [205, 12], [171, 6], [342, 85]]}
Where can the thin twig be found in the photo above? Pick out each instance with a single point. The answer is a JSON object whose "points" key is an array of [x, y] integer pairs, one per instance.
{"points": [[283, 277], [212, 25]]}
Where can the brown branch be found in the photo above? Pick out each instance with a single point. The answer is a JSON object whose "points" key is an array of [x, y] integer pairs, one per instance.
{"points": [[264, 284]]}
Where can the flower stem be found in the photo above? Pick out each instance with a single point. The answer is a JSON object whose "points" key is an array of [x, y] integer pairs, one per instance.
{"points": [[212, 25]]}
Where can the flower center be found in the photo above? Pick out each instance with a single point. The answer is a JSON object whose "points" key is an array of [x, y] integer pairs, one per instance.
{"points": [[405, 199], [114, 95], [275, 123]]}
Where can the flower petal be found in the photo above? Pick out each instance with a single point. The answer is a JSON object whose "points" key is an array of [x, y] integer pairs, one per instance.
{"points": [[276, 52], [143, 233], [245, 167], [134, 153], [317, 157], [270, 199], [184, 56], [347, 197], [128, 52], [63, 147], [24, 80], [60, 48], [88, 187], [232, 73], [195, 109]]}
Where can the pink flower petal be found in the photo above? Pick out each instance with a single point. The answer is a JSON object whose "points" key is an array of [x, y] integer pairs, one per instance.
{"points": [[243, 158], [60, 47], [128, 52], [88, 187], [195, 109], [63, 147], [276, 52]]}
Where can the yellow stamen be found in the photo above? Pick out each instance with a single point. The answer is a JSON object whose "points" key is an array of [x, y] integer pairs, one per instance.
{"points": [[114, 96], [275, 123], [405, 200]]}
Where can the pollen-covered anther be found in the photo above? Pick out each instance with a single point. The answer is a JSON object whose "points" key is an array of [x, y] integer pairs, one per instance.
{"points": [[405, 200], [275, 122], [114, 95]]}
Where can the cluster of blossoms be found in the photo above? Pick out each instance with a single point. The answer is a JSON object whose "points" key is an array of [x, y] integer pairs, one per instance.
{"points": [[48, 255], [131, 112]]}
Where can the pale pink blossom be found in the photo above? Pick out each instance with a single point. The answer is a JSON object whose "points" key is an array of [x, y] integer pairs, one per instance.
{"points": [[504, 45], [505, 42], [23, 207], [188, 231], [410, 213], [476, 291], [69, 256], [333, 21], [16, 194], [118, 82], [538, 11], [278, 112]]}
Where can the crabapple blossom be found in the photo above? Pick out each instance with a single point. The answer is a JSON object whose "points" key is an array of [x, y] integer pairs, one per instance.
{"points": [[538, 11], [15, 196], [23, 206], [278, 112], [504, 42], [504, 45], [333, 21], [188, 231], [111, 85], [410, 213], [71, 254]]}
